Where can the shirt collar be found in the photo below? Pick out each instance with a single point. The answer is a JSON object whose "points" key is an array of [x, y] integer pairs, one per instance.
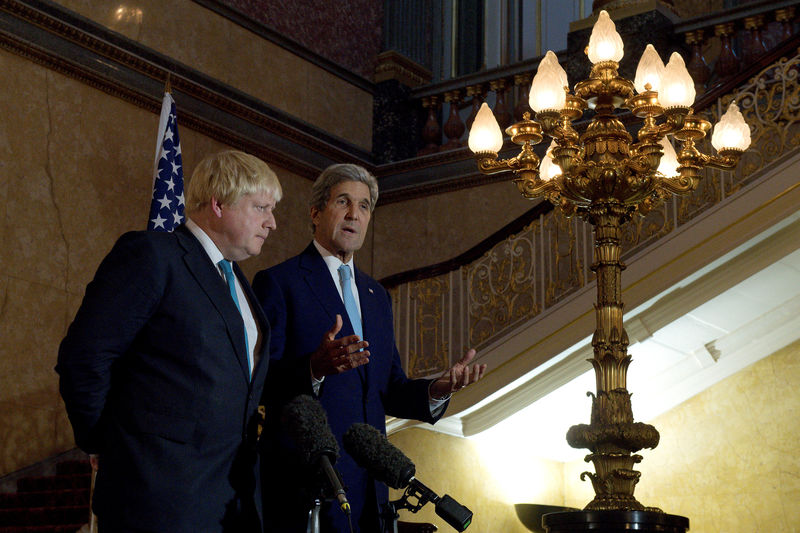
{"points": [[331, 260], [205, 241]]}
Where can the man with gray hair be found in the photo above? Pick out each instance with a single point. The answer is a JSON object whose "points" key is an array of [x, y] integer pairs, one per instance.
{"points": [[163, 367], [356, 372]]}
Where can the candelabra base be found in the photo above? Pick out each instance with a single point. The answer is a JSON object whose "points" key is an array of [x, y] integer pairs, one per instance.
{"points": [[614, 522]]}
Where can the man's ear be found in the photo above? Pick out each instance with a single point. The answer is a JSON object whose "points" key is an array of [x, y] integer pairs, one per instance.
{"points": [[216, 207]]}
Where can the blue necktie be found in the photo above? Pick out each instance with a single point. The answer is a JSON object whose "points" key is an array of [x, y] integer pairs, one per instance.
{"points": [[225, 265], [349, 301]]}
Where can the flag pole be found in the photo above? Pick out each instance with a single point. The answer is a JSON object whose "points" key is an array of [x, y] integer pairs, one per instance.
{"points": [[168, 85]]}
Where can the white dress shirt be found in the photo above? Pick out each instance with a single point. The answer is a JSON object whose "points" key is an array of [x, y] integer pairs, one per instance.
{"points": [[254, 336], [333, 264]]}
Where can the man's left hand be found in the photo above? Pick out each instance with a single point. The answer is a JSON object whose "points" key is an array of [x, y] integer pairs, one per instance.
{"points": [[458, 377]]}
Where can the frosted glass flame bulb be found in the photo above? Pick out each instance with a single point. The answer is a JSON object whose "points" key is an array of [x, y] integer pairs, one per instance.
{"points": [[547, 87], [485, 134], [731, 131], [677, 86], [549, 169], [650, 70], [605, 44], [668, 165]]}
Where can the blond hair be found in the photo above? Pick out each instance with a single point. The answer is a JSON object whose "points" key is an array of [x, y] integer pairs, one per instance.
{"points": [[227, 176]]}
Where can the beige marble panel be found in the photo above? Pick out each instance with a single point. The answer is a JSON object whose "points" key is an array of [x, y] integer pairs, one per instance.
{"points": [[8, 160], [31, 326], [32, 247], [339, 108], [147, 22], [456, 466], [30, 433], [425, 231], [268, 72], [223, 50], [102, 153]]}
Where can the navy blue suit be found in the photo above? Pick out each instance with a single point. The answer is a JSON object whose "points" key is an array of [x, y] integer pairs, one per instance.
{"points": [[301, 302], [154, 376]]}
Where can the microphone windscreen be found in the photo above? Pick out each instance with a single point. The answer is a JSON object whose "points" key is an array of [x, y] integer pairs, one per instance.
{"points": [[372, 451], [305, 420]]}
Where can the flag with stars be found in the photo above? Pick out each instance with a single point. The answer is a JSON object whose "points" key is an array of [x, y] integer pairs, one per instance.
{"points": [[166, 206]]}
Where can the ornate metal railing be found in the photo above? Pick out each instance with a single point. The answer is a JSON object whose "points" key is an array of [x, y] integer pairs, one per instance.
{"points": [[718, 45], [533, 270]]}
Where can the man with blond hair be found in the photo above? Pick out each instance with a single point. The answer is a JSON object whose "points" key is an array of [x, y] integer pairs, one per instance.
{"points": [[162, 369]]}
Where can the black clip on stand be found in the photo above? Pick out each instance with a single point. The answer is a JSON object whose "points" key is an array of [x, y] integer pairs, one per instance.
{"points": [[416, 490]]}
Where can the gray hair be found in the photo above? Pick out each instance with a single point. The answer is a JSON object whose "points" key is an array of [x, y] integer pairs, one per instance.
{"points": [[321, 190]]}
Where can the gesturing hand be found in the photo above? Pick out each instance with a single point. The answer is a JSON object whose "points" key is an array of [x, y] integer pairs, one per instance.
{"points": [[334, 356], [459, 376]]}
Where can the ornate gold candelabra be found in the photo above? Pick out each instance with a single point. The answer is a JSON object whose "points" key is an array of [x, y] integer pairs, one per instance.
{"points": [[605, 177]]}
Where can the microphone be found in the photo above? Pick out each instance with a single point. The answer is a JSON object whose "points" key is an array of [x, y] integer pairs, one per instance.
{"points": [[308, 427], [385, 462]]}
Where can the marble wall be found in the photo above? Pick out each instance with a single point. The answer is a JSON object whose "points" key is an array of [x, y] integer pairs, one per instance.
{"points": [[213, 45], [347, 32], [76, 173], [727, 460], [458, 467], [438, 227]]}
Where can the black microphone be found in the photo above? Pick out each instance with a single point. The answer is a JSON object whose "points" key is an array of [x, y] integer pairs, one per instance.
{"points": [[383, 461], [308, 427]]}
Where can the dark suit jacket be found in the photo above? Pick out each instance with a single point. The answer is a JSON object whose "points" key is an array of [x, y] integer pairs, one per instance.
{"points": [[155, 380], [301, 303]]}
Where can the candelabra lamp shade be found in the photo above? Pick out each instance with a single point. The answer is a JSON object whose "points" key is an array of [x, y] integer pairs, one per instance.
{"points": [[485, 134], [549, 169], [677, 87], [668, 166], [731, 132], [605, 44], [548, 86], [649, 72]]}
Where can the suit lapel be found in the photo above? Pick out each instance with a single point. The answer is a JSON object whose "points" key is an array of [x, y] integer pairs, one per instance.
{"points": [[321, 284], [209, 279], [319, 280]]}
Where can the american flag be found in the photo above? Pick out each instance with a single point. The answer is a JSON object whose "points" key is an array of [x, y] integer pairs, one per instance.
{"points": [[166, 206]]}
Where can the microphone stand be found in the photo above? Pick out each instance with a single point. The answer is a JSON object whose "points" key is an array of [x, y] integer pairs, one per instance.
{"points": [[313, 517], [416, 490]]}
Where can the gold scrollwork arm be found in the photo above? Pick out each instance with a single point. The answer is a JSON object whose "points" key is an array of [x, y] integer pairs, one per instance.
{"points": [[678, 184], [535, 188], [488, 163], [726, 160]]}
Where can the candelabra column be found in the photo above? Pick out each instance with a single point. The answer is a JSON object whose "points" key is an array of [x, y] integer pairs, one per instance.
{"points": [[611, 436], [610, 342]]}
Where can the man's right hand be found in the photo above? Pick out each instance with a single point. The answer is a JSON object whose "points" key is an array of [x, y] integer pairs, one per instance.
{"points": [[334, 356]]}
